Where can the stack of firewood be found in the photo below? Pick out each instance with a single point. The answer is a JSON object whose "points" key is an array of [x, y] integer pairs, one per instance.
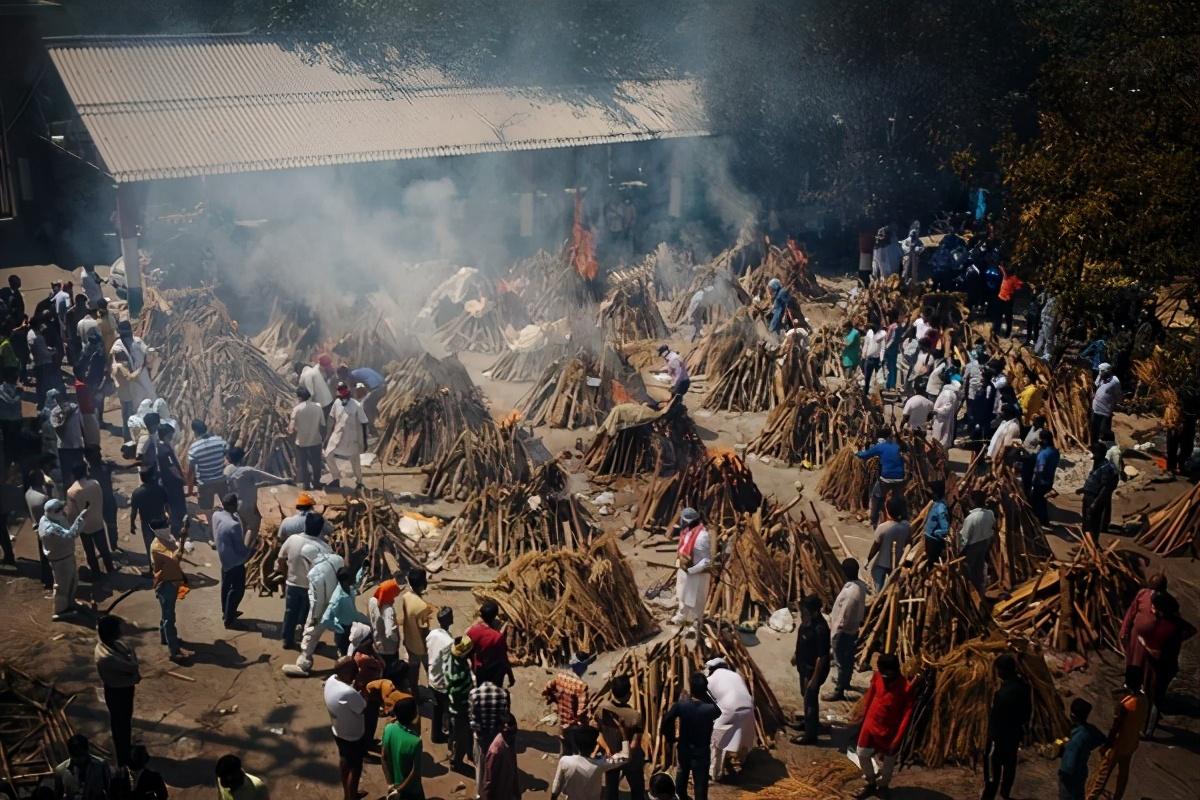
{"points": [[848, 480], [560, 602], [754, 382], [719, 486], [922, 612], [1078, 604], [1069, 391], [630, 313], [526, 365], [659, 676], [376, 345], [488, 454], [811, 425], [723, 297], [478, 328], [504, 521], [209, 371], [1174, 529], [292, 332], [34, 731], [551, 286], [953, 694], [792, 270], [667, 441], [427, 405], [721, 347], [571, 393]]}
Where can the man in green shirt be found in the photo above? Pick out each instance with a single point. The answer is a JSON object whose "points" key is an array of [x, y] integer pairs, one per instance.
{"points": [[401, 751], [234, 784]]}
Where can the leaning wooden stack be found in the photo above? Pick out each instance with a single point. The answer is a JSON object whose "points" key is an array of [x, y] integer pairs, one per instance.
{"points": [[1069, 391], [376, 345], [719, 486], [478, 328], [1022, 548], [291, 334], [488, 454], [1076, 605], [720, 348], [847, 481], [563, 601], [34, 730], [953, 694], [753, 382], [571, 393], [1174, 529], [659, 676], [665, 442], [811, 425], [630, 313]]}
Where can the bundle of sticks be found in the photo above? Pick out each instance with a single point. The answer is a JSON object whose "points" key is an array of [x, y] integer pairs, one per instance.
{"points": [[722, 297], [551, 286], [1174, 529], [1068, 388], [504, 521], [34, 730], [881, 300], [211, 372], [630, 313], [953, 694], [923, 611], [427, 405], [364, 533], [790, 267], [488, 454], [829, 777], [659, 675], [718, 485], [377, 345], [1076, 605], [292, 332], [812, 425], [571, 393], [478, 328], [848, 480], [754, 382], [721, 347], [560, 602], [660, 443]]}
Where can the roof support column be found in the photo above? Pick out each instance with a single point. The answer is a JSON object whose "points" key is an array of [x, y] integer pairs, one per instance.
{"points": [[130, 205]]}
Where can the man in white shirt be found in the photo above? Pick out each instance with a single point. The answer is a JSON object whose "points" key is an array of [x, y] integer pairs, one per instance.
{"points": [[1008, 433], [307, 426], [845, 618], [692, 578], [346, 706], [347, 438], [90, 282], [296, 556], [315, 378], [916, 412], [733, 732], [437, 649], [975, 539], [579, 776], [872, 353], [1104, 403]]}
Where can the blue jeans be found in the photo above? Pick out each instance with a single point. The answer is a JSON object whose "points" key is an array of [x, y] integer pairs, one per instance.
{"points": [[233, 588], [295, 611], [693, 762], [889, 361], [167, 594], [879, 576], [844, 645]]}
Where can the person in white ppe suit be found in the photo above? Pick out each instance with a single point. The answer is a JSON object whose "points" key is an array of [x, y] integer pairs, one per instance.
{"points": [[322, 582], [693, 561], [945, 412], [57, 539], [733, 732]]}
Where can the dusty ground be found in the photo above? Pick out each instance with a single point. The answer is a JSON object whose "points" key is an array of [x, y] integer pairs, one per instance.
{"points": [[234, 698]]}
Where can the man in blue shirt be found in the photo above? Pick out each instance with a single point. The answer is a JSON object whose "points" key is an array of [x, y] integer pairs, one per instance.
{"points": [[891, 470], [1085, 737], [781, 299], [1044, 466], [937, 524], [233, 552]]}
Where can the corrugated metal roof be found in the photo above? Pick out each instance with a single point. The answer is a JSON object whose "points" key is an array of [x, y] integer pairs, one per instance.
{"points": [[172, 107]]}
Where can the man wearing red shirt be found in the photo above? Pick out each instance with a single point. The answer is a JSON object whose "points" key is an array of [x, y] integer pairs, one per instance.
{"points": [[887, 710], [1010, 284], [490, 644]]}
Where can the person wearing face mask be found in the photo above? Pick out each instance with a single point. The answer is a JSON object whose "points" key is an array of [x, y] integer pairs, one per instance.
{"points": [[57, 538], [347, 437]]}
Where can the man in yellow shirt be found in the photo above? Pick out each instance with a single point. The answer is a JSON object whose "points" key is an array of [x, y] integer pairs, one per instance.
{"points": [[235, 784], [416, 615], [1032, 398]]}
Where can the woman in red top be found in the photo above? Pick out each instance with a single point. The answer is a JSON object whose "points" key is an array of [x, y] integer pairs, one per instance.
{"points": [[887, 709], [1156, 649]]}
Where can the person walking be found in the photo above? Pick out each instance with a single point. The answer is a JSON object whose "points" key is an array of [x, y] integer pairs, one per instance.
{"points": [[58, 543], [206, 466], [891, 536], [1085, 737], [233, 783], [501, 779], [85, 493], [1124, 736], [692, 576], [1045, 465], [734, 732], [295, 561], [346, 705], [945, 413], [233, 551], [347, 438], [307, 428], [1012, 708], [937, 524], [400, 752], [1155, 646], [975, 540], [488, 706], [891, 471], [1104, 403], [322, 583], [437, 644], [137, 355], [849, 610], [851, 349], [1097, 493], [459, 683], [811, 660], [696, 715], [117, 665], [887, 709], [872, 353], [166, 559]]}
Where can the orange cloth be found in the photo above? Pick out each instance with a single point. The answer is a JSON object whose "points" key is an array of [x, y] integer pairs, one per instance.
{"points": [[1135, 707], [387, 592], [583, 245], [1009, 286]]}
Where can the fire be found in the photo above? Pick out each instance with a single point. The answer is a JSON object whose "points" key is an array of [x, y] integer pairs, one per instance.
{"points": [[583, 244]]}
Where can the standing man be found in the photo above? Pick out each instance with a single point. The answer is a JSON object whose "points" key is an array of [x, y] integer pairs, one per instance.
{"points": [[157, 454], [347, 438], [567, 694], [733, 732], [891, 471], [872, 353], [911, 248], [90, 282], [1007, 433], [489, 643], [137, 354], [11, 420], [400, 751], [437, 647], [233, 551], [85, 497], [891, 536], [58, 543], [346, 706], [1097, 493], [621, 724], [811, 660], [887, 710], [1123, 737], [1012, 707], [243, 481], [307, 427], [295, 561], [849, 610], [166, 559], [975, 540], [206, 465], [1104, 403], [937, 524], [692, 571], [501, 780], [298, 522], [148, 503], [697, 715], [459, 683], [416, 614], [46, 371], [488, 707], [1085, 737], [117, 665], [67, 421], [1045, 465], [39, 489], [315, 379], [381, 611]]}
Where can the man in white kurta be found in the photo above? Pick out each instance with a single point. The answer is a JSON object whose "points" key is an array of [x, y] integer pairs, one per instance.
{"points": [[692, 578], [945, 412], [347, 436], [733, 732]]}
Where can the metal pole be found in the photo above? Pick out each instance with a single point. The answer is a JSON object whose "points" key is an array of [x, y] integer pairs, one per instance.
{"points": [[129, 218]]}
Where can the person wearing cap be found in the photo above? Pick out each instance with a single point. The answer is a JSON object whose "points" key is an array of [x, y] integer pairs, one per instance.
{"points": [[346, 705], [400, 753], [137, 354], [147, 503], [166, 559], [347, 438], [244, 480], [296, 557], [315, 379], [693, 561], [781, 301], [945, 413], [322, 583], [206, 466], [297, 523], [437, 644], [381, 611], [1104, 403], [568, 694], [677, 372], [307, 427], [58, 543], [233, 551], [456, 665], [733, 732]]}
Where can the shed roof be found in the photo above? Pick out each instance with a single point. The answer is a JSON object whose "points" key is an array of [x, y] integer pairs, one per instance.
{"points": [[177, 106]]}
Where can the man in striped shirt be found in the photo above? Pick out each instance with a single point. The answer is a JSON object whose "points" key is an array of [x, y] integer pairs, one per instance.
{"points": [[206, 466]]}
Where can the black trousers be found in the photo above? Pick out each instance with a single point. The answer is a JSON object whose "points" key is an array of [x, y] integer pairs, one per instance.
{"points": [[693, 761], [120, 717], [233, 588], [633, 772], [1101, 428], [438, 725], [811, 690], [1181, 442], [999, 768], [844, 645], [97, 541], [309, 464], [1093, 515], [934, 550]]}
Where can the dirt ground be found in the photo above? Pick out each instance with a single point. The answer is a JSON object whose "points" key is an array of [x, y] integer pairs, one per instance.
{"points": [[234, 698]]}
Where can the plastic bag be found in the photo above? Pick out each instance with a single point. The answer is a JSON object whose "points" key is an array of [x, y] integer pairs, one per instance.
{"points": [[782, 621]]}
